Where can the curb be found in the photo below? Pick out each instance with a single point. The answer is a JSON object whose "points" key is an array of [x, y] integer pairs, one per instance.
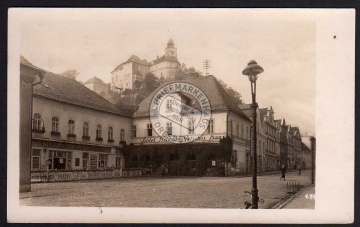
{"points": [[282, 203]]}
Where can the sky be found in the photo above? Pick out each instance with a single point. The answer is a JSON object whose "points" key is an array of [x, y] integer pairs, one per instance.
{"points": [[95, 41]]}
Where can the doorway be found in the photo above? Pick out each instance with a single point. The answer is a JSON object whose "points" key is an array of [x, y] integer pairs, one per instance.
{"points": [[118, 162], [59, 163]]}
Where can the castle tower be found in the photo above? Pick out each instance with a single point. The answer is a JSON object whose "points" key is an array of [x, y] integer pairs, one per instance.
{"points": [[170, 50]]}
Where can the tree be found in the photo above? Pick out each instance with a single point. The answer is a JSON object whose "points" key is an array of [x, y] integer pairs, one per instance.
{"points": [[128, 91], [72, 73], [183, 70], [150, 83], [233, 94]]}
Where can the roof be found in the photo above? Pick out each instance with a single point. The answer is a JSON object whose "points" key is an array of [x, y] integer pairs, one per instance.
{"points": [[70, 91], [218, 97], [135, 59], [94, 80], [164, 58], [278, 123], [246, 109], [263, 113], [245, 106], [306, 147], [295, 130], [24, 61], [170, 43]]}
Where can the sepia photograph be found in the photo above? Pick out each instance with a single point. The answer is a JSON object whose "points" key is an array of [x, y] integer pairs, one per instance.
{"points": [[177, 115]]}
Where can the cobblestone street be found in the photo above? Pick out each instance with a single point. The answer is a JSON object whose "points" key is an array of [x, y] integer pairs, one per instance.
{"points": [[185, 192]]}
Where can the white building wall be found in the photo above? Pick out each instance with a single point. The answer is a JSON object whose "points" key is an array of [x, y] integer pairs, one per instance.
{"points": [[165, 69], [90, 86], [241, 142], [122, 78], [219, 126], [65, 112]]}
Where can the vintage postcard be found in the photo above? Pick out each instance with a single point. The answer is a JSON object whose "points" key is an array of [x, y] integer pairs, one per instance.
{"points": [[181, 115]]}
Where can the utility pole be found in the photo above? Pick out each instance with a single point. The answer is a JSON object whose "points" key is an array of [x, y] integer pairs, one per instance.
{"points": [[207, 65]]}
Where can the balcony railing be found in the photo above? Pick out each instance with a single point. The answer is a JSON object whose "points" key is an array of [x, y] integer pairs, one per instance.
{"points": [[73, 175]]}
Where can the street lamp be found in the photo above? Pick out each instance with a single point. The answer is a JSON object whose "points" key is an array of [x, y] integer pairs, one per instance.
{"points": [[252, 71]]}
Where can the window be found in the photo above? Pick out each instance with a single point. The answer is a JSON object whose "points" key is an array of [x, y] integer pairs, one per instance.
{"points": [[55, 124], [85, 160], [149, 129], [169, 128], [85, 129], [242, 131], [210, 128], [102, 160], [234, 156], [35, 159], [110, 133], [37, 122], [237, 130], [191, 127], [77, 162], [71, 127], [133, 131], [98, 131], [247, 133], [122, 135]]}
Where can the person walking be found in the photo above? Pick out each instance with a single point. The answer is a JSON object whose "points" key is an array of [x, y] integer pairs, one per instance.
{"points": [[299, 168], [283, 171]]}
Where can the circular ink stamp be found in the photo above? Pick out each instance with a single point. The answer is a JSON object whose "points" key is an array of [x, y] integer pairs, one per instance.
{"points": [[180, 113]]}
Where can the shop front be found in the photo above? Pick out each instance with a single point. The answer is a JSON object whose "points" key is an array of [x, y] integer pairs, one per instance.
{"points": [[51, 155]]}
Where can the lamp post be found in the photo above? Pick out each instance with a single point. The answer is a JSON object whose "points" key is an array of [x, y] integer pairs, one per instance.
{"points": [[252, 71]]}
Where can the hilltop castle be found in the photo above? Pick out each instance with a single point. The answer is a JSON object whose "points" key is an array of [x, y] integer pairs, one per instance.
{"points": [[129, 74]]}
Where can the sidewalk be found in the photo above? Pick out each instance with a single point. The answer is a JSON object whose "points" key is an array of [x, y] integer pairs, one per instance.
{"points": [[304, 200]]}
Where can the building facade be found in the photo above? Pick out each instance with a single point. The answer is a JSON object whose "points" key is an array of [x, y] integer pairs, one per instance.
{"points": [[261, 138], [129, 74], [73, 128], [306, 152], [209, 153], [281, 142], [296, 136], [166, 66], [271, 154]]}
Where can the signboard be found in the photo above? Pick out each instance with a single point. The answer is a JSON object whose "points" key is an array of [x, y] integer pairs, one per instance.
{"points": [[71, 146], [213, 138]]}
